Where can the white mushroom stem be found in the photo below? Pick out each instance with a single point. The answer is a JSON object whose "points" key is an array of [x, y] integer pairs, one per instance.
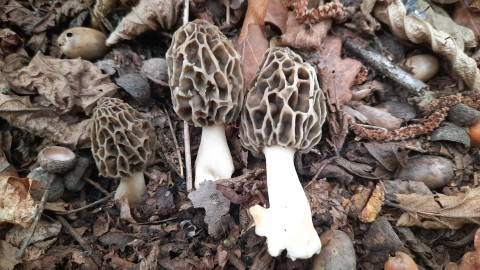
{"points": [[214, 160], [132, 188], [287, 224]]}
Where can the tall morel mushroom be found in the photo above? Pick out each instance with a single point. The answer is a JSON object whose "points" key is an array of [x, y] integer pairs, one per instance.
{"points": [[206, 78], [123, 144], [284, 113]]}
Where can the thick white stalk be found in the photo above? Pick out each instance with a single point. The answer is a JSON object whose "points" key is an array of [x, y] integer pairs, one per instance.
{"points": [[214, 160], [132, 188], [287, 224]]}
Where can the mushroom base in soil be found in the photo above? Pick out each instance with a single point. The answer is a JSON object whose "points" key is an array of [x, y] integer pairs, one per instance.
{"points": [[287, 224], [132, 188], [214, 160]]}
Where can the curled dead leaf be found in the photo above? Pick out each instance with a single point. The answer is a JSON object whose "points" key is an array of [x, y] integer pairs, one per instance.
{"points": [[147, 15], [16, 204], [43, 122], [65, 83], [440, 211]]}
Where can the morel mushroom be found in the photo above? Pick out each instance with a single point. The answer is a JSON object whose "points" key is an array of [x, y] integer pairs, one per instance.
{"points": [[284, 113], [123, 144], [206, 79]]}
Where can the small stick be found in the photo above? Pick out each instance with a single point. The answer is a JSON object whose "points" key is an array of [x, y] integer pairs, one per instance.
{"points": [[186, 129], [188, 157], [386, 67], [86, 247], [41, 207], [97, 186], [240, 178], [67, 212], [179, 154]]}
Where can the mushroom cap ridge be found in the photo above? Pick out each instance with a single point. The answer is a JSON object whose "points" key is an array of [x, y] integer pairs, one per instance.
{"points": [[123, 140], [285, 105], [205, 75]]}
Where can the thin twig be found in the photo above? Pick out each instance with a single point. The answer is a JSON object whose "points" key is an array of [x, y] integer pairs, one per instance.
{"points": [[241, 178], [186, 129], [97, 186], [179, 154], [87, 250], [188, 157], [41, 207], [67, 212]]}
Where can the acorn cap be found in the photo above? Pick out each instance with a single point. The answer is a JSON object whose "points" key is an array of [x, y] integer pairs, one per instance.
{"points": [[57, 159], [451, 133], [463, 115]]}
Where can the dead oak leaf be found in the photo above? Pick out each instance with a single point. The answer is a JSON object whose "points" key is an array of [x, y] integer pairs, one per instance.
{"points": [[340, 72], [16, 204], [464, 17], [440, 211], [252, 42], [147, 15], [302, 36], [43, 122], [25, 18], [214, 203], [64, 82]]}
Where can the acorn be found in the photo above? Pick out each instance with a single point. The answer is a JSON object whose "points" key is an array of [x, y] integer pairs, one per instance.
{"points": [[84, 42], [56, 159], [423, 66], [433, 171], [400, 261]]}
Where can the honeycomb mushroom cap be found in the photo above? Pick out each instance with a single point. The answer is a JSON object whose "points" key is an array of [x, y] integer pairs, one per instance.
{"points": [[123, 140], [205, 75], [285, 105]]}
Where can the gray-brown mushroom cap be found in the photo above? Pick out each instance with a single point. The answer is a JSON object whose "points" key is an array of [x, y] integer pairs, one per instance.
{"points": [[205, 75], [285, 105], [123, 140], [56, 159]]}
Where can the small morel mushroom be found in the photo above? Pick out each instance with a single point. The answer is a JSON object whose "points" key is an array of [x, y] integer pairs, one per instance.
{"points": [[123, 144], [284, 113], [206, 79]]}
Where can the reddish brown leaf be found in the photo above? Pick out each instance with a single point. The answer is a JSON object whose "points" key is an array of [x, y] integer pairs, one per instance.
{"points": [[341, 72], [463, 16]]}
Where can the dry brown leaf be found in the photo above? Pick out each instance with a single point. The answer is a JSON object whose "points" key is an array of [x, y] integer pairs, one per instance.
{"points": [[302, 36], [214, 203], [147, 15], [64, 82], [43, 122], [463, 16], [252, 43], [389, 154], [44, 230], [340, 73], [16, 204], [256, 12], [440, 211], [325, 204], [25, 18], [376, 117], [9, 254], [277, 15]]}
